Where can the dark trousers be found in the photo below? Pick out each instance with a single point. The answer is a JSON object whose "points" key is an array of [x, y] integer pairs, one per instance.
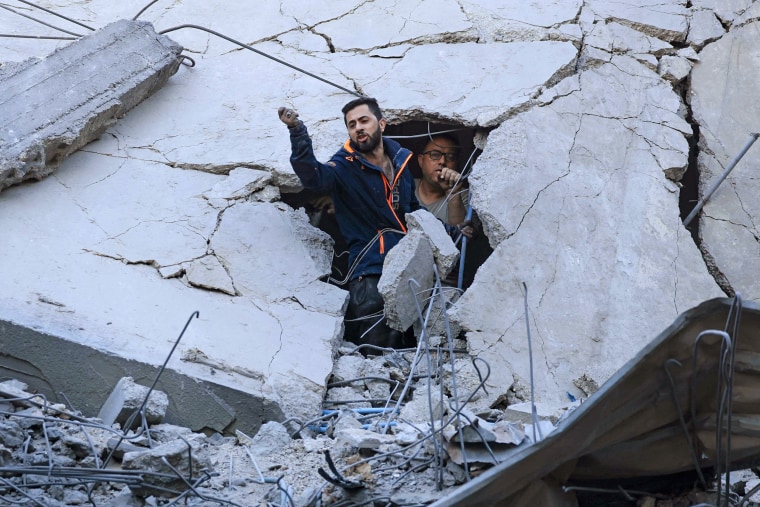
{"points": [[365, 320]]}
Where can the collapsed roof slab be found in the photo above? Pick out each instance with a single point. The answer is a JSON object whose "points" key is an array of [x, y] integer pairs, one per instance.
{"points": [[53, 106]]}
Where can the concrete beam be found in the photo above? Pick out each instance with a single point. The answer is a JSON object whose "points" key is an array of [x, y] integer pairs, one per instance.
{"points": [[53, 106], [52, 365]]}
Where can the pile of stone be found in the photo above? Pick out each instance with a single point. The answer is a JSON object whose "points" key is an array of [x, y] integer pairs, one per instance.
{"points": [[390, 421], [53, 455]]}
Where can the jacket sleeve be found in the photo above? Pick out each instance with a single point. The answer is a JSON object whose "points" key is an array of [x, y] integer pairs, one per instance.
{"points": [[313, 174]]}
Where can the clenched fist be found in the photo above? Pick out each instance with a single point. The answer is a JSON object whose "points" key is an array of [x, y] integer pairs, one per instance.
{"points": [[288, 116]]}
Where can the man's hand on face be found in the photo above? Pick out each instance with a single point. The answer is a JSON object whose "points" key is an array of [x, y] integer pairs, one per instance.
{"points": [[288, 116], [448, 178]]}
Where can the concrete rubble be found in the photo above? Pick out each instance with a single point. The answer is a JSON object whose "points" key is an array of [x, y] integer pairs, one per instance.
{"points": [[655, 421], [126, 398], [356, 453], [598, 125], [55, 105]]}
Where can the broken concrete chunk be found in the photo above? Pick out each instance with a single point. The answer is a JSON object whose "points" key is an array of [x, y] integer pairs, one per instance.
{"points": [[269, 193], [507, 432], [239, 184], [126, 398], [545, 412], [704, 27], [674, 68], [271, 438], [208, 273], [445, 252], [164, 433], [51, 107], [11, 434], [363, 439], [6, 457], [418, 409], [188, 464], [411, 259], [118, 447], [586, 384]]}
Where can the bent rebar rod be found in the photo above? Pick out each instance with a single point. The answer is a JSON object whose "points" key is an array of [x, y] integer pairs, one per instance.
{"points": [[140, 411], [681, 419], [533, 412], [246, 46]]}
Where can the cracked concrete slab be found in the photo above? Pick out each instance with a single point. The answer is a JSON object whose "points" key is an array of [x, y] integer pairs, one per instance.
{"points": [[530, 66], [667, 20], [55, 105], [401, 23], [728, 224], [585, 229], [94, 202], [577, 189]]}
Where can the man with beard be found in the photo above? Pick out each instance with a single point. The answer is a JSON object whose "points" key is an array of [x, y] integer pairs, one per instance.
{"points": [[372, 190]]}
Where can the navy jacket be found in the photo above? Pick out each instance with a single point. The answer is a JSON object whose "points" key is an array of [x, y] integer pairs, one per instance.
{"points": [[362, 195]]}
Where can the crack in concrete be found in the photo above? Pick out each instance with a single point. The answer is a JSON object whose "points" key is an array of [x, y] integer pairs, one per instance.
{"points": [[197, 356], [748, 215], [149, 262], [675, 269], [280, 340], [715, 271], [535, 199]]}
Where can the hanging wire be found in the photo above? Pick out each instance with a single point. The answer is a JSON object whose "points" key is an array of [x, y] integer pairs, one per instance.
{"points": [[682, 421], [143, 10], [735, 312], [450, 343], [141, 410], [246, 46], [40, 37], [361, 255], [56, 14], [533, 413], [426, 134], [720, 393], [39, 21]]}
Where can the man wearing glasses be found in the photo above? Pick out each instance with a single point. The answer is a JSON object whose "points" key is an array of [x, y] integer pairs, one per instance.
{"points": [[441, 188]]}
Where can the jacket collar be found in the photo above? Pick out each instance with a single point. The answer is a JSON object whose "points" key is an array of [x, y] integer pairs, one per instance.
{"points": [[398, 154]]}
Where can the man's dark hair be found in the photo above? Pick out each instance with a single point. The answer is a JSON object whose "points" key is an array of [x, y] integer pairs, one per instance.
{"points": [[368, 101], [432, 137]]}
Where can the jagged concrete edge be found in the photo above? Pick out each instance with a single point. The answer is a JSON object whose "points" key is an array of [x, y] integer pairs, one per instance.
{"points": [[514, 474]]}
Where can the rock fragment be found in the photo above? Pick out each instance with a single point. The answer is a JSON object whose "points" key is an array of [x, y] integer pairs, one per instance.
{"points": [[166, 460], [53, 106], [126, 398]]}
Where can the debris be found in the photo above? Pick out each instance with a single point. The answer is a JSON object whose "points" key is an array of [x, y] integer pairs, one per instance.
{"points": [[170, 463], [126, 398], [53, 106], [271, 437], [633, 427]]}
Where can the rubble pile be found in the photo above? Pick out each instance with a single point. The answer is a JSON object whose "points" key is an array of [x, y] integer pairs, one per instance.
{"points": [[394, 427], [399, 428]]}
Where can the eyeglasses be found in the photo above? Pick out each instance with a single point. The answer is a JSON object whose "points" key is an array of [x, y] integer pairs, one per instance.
{"points": [[436, 155]]}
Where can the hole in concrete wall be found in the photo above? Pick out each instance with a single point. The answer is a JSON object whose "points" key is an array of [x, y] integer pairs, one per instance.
{"points": [[411, 135], [414, 136]]}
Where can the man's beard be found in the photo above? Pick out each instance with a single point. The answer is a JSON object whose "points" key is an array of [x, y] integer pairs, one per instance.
{"points": [[370, 144]]}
